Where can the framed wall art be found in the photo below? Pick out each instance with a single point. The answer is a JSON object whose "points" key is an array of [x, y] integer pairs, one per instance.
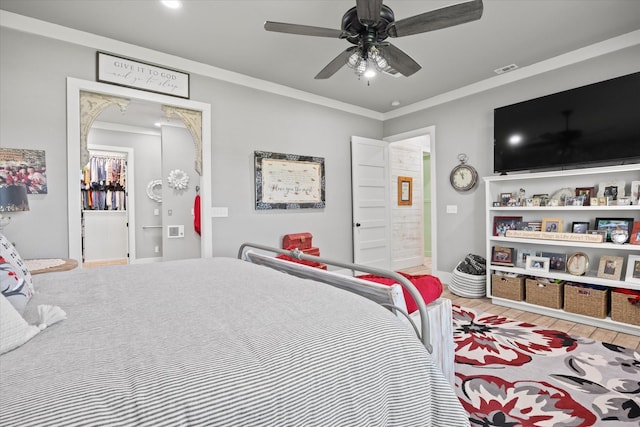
{"points": [[139, 75], [289, 181], [24, 167], [405, 191]]}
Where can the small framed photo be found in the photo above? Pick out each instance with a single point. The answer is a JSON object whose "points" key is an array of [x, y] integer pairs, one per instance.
{"points": [[574, 201], [540, 199], [557, 262], [587, 193], [633, 269], [503, 223], [594, 201], [497, 204], [580, 227], [505, 198], [537, 264], [610, 267], [609, 224], [635, 192], [501, 255], [523, 254], [634, 238], [552, 225]]}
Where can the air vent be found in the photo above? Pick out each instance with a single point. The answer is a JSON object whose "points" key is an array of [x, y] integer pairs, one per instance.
{"points": [[506, 69]]}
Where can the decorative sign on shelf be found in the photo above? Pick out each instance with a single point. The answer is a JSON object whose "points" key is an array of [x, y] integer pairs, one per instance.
{"points": [[569, 237], [289, 181], [139, 75]]}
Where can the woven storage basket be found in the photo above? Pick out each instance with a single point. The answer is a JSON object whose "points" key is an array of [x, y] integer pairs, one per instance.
{"points": [[622, 310], [588, 301], [546, 294], [507, 287]]}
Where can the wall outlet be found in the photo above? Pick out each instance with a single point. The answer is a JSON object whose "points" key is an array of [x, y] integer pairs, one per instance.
{"points": [[452, 209], [156, 249], [156, 211]]}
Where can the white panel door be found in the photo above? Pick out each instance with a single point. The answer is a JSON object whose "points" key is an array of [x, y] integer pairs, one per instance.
{"points": [[370, 194]]}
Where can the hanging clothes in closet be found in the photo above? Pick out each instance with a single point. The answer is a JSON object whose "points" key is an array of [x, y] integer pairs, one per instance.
{"points": [[104, 183]]}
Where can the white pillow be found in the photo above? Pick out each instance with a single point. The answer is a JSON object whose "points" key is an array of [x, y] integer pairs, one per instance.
{"points": [[14, 330], [9, 253], [12, 286]]}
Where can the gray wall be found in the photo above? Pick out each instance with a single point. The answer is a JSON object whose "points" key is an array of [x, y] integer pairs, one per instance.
{"points": [[178, 153], [33, 70], [466, 126]]}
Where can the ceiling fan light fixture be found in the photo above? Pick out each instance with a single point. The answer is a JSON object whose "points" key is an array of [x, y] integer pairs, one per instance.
{"points": [[378, 60], [354, 59], [370, 72]]}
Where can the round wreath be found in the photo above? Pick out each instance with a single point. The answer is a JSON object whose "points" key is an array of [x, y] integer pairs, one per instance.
{"points": [[154, 190], [178, 179]]}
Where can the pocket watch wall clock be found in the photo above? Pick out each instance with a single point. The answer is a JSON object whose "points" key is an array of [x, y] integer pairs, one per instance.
{"points": [[463, 177]]}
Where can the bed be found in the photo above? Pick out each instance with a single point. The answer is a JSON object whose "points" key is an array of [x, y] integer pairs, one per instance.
{"points": [[218, 342]]}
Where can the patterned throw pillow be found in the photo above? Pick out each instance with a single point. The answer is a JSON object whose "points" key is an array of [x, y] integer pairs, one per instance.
{"points": [[14, 330], [9, 253], [12, 286]]}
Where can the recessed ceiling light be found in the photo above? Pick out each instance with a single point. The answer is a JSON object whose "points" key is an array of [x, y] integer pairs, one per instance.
{"points": [[395, 103], [172, 4]]}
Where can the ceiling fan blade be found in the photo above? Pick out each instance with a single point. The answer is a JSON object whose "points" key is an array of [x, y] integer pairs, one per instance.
{"points": [[337, 63], [399, 60], [436, 19], [304, 30], [368, 11]]}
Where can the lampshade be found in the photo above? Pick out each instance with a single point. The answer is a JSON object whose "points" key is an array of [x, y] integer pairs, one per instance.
{"points": [[13, 198]]}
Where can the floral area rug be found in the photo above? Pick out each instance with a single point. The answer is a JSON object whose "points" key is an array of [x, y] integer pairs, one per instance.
{"points": [[510, 373]]}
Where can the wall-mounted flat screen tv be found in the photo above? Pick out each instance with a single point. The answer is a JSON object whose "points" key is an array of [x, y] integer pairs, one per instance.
{"points": [[593, 125]]}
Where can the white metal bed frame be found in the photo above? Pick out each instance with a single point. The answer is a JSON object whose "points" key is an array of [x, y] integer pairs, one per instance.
{"points": [[388, 296]]}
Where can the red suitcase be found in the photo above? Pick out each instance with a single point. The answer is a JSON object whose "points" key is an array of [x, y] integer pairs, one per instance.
{"points": [[297, 240]]}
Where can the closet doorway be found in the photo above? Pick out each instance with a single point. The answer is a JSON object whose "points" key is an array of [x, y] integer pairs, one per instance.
{"points": [[202, 145], [108, 216]]}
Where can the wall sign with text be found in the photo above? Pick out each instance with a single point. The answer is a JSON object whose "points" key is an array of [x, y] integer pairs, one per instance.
{"points": [[139, 75], [289, 181]]}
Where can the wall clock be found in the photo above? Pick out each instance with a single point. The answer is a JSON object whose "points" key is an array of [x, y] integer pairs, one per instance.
{"points": [[463, 177]]}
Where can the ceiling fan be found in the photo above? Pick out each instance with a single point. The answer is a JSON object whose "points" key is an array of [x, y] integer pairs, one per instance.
{"points": [[370, 23]]}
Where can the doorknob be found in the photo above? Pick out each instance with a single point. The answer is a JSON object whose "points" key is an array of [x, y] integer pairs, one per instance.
{"points": [[357, 224]]}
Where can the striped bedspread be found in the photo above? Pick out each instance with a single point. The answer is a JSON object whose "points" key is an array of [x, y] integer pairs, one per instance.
{"points": [[217, 342]]}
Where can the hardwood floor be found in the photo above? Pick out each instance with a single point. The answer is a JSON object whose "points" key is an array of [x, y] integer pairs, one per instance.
{"points": [[575, 329]]}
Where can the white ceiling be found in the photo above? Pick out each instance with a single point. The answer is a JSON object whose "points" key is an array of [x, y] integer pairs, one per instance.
{"points": [[230, 35]]}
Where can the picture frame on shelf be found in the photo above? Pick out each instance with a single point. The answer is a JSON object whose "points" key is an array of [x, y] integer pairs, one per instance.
{"points": [[541, 199], [580, 227], [557, 261], [633, 269], [578, 263], [552, 225], [574, 201], [537, 264], [609, 224], [634, 237], [501, 255], [503, 223], [523, 254], [587, 193], [635, 192], [610, 267], [613, 189], [505, 198]]}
